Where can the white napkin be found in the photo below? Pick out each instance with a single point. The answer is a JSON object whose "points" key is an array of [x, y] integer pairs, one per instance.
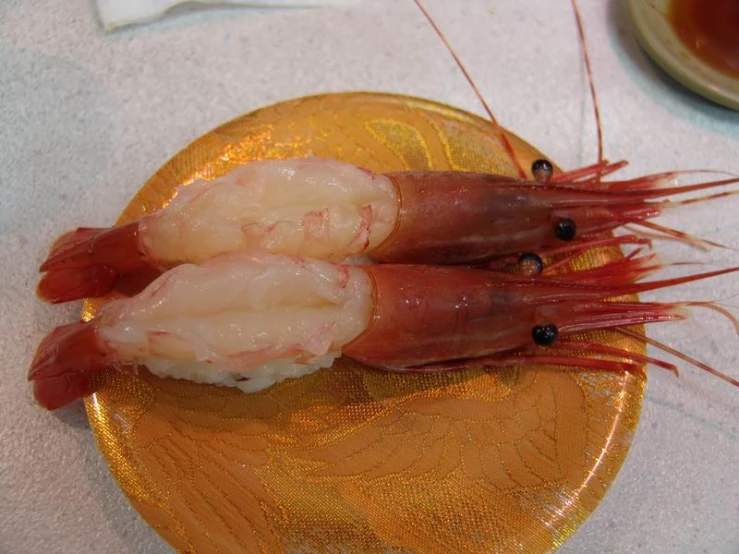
{"points": [[119, 13]]}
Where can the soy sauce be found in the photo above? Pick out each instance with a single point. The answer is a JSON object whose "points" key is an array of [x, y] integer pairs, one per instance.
{"points": [[710, 28]]}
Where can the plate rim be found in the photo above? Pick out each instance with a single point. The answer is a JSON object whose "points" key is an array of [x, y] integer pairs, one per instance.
{"points": [[707, 83]]}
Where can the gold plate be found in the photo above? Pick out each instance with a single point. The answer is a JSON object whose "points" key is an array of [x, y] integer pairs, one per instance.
{"points": [[350, 459]]}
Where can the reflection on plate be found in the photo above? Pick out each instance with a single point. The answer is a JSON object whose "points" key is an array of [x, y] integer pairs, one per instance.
{"points": [[350, 459], [662, 43]]}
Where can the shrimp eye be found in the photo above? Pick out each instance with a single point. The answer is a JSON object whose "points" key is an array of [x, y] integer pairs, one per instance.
{"points": [[544, 335], [542, 170], [530, 265], [565, 229]]}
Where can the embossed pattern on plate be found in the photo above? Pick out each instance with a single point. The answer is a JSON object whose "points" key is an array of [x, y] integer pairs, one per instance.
{"points": [[350, 459]]}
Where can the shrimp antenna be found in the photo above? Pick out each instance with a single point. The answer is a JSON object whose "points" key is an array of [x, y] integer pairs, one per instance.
{"points": [[669, 233], [591, 82], [719, 309], [678, 354], [480, 97]]}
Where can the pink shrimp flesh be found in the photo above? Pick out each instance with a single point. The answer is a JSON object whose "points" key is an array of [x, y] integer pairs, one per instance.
{"points": [[250, 319]]}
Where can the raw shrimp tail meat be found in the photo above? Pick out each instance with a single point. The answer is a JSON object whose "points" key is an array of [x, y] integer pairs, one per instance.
{"points": [[312, 207], [251, 319]]}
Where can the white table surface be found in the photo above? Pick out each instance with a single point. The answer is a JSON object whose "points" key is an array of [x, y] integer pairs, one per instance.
{"points": [[86, 117]]}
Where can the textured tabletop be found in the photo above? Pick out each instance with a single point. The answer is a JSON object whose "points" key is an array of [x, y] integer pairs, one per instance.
{"points": [[86, 117]]}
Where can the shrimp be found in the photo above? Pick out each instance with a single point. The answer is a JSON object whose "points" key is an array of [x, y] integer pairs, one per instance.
{"points": [[330, 210], [334, 211], [249, 319]]}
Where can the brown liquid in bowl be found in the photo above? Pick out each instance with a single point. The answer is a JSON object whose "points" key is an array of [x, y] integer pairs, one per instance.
{"points": [[710, 28]]}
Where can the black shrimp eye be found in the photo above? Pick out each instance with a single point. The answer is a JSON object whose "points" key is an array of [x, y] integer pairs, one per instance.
{"points": [[542, 170], [544, 335], [565, 229], [530, 265]]}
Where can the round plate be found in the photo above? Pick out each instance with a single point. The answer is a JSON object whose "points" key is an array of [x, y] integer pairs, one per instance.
{"points": [[350, 459], [662, 43]]}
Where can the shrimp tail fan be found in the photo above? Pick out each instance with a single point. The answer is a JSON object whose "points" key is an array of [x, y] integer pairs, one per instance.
{"points": [[86, 262], [65, 364]]}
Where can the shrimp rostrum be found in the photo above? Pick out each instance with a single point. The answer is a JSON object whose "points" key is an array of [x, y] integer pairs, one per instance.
{"points": [[248, 319], [330, 210]]}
